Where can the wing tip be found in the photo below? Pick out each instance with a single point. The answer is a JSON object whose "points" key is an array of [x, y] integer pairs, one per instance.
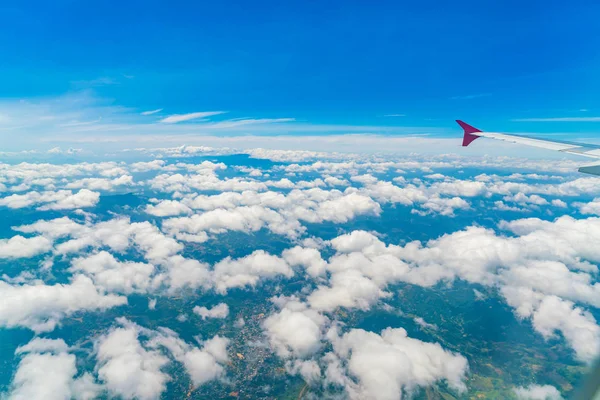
{"points": [[469, 131]]}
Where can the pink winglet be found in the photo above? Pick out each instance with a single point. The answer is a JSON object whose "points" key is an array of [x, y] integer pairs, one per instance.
{"points": [[469, 131]]}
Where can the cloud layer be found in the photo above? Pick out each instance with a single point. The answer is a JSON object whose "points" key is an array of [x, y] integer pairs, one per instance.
{"points": [[344, 232]]}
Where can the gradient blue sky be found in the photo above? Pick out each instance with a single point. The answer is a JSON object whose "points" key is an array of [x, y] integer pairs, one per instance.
{"points": [[333, 63]]}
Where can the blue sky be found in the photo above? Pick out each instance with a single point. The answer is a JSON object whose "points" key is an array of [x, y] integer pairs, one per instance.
{"points": [[158, 230], [339, 63]]}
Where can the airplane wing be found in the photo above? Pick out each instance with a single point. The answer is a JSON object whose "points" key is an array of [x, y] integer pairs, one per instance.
{"points": [[581, 149]]}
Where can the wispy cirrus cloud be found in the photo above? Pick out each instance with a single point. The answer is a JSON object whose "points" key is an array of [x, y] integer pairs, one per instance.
{"points": [[470, 96], [175, 118], [395, 115], [82, 119], [232, 123], [80, 123], [101, 81], [83, 116], [151, 111], [558, 119]]}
